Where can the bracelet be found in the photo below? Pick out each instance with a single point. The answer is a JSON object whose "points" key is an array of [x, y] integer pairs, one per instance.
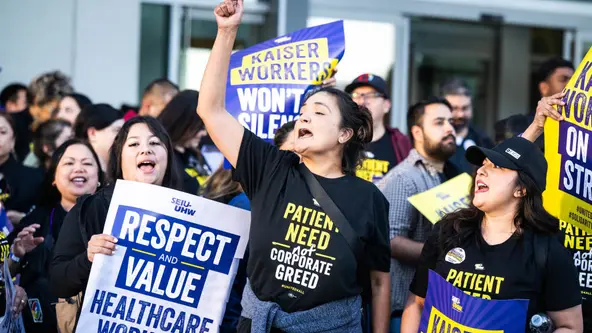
{"points": [[14, 258]]}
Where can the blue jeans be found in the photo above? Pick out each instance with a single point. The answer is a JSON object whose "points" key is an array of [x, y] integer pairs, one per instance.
{"points": [[395, 325]]}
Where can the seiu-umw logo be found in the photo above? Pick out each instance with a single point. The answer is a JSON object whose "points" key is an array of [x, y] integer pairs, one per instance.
{"points": [[183, 207]]}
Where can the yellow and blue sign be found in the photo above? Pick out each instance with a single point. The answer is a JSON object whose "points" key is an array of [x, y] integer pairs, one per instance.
{"points": [[449, 309], [568, 150], [267, 83]]}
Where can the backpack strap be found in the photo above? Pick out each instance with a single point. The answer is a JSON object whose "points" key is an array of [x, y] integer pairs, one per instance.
{"points": [[541, 254], [331, 209]]}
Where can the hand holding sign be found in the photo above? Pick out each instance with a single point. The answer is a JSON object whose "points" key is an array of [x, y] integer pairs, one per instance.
{"points": [[104, 244], [545, 109], [229, 14]]}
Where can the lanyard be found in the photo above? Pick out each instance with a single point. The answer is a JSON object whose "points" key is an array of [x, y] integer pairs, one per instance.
{"points": [[51, 219]]}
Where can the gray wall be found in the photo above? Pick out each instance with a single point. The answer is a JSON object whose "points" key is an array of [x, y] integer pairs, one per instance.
{"points": [[95, 42]]}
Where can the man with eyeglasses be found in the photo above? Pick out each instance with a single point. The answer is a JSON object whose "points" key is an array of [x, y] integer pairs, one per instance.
{"points": [[389, 146], [457, 92]]}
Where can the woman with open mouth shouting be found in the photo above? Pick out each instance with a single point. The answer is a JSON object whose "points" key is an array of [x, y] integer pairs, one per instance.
{"points": [[74, 171], [505, 245], [308, 266], [142, 152]]}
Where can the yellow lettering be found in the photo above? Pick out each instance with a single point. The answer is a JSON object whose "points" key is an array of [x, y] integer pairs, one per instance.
{"points": [[317, 221], [324, 240], [499, 281], [486, 297], [570, 241], [479, 282], [459, 279], [328, 224], [302, 236], [306, 212], [290, 208], [298, 214], [468, 276], [562, 225], [488, 286], [312, 237], [292, 232], [451, 274]]}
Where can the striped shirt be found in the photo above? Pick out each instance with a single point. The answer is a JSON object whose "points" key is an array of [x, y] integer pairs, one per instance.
{"points": [[412, 176]]}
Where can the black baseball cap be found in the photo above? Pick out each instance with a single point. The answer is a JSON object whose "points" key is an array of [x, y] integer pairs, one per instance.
{"points": [[368, 80], [515, 154]]}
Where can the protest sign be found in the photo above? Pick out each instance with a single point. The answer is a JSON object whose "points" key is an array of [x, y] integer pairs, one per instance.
{"points": [[449, 309], [444, 198], [176, 258], [568, 148], [267, 82], [10, 323]]}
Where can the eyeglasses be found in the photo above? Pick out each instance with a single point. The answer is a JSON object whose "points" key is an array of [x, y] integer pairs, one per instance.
{"points": [[365, 97]]}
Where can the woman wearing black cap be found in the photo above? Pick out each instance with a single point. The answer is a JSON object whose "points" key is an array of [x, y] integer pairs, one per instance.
{"points": [[498, 236]]}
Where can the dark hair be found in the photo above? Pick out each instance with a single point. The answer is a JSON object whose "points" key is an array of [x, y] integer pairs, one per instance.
{"points": [[10, 93], [455, 86], [45, 135], [281, 135], [359, 120], [161, 86], [98, 116], [10, 122], [417, 110], [180, 119], [50, 194], [172, 178], [81, 100], [465, 223], [510, 127], [549, 67]]}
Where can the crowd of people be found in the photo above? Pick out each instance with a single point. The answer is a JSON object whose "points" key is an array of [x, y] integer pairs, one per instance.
{"points": [[61, 154]]}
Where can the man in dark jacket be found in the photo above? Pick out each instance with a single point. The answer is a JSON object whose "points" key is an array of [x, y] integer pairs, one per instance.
{"points": [[458, 94], [389, 146]]}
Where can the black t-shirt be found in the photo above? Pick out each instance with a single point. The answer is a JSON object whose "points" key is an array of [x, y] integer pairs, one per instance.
{"points": [[579, 243], [504, 271], [23, 185], [190, 183], [297, 258], [195, 165], [380, 158]]}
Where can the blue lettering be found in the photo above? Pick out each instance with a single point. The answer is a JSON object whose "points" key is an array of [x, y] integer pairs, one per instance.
{"points": [[154, 315], [108, 303], [121, 328], [263, 72], [255, 58], [168, 312], [97, 301], [144, 305], [579, 107], [288, 71], [180, 323], [204, 325], [120, 309], [128, 316], [192, 323], [106, 326], [246, 73], [582, 77]]}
